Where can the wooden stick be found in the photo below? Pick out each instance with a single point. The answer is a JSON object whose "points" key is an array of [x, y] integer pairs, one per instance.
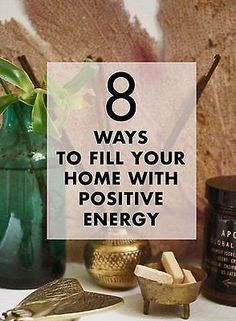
{"points": [[203, 81], [27, 68]]}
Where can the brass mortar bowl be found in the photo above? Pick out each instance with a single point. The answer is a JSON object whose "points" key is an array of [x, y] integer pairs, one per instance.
{"points": [[171, 294]]}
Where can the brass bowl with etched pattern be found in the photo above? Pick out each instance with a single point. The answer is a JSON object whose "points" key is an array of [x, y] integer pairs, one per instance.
{"points": [[111, 263]]}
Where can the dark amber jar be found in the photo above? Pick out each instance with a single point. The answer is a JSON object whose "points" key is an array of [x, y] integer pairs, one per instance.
{"points": [[219, 259]]}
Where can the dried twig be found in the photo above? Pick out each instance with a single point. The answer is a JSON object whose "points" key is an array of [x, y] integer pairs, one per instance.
{"points": [[27, 67], [203, 81]]}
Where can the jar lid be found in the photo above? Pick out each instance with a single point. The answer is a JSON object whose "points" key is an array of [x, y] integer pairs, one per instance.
{"points": [[221, 190]]}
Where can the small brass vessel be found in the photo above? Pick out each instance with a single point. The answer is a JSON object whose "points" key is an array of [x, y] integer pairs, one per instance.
{"points": [[111, 263], [172, 294]]}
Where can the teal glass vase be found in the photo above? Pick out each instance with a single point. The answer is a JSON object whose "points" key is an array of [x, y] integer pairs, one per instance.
{"points": [[27, 258]]}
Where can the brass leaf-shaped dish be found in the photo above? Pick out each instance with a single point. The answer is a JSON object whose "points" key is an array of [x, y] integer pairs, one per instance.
{"points": [[63, 299]]}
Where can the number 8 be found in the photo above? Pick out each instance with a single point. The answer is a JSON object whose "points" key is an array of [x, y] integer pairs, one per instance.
{"points": [[121, 95]]}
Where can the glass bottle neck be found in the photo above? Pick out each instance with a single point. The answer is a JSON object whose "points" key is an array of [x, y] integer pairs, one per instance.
{"points": [[17, 117]]}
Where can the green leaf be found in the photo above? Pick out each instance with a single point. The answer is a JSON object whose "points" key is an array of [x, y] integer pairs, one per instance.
{"points": [[28, 100], [39, 114], [57, 93], [7, 100], [15, 75], [44, 81], [86, 72]]}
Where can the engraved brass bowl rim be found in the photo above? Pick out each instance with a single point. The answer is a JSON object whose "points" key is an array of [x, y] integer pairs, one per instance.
{"points": [[172, 294], [105, 280], [107, 273]]}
